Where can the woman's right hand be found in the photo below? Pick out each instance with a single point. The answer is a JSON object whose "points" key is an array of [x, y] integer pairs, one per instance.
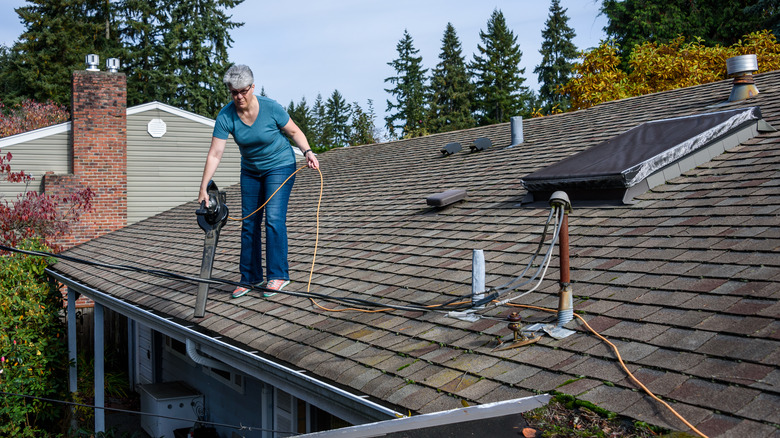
{"points": [[203, 196]]}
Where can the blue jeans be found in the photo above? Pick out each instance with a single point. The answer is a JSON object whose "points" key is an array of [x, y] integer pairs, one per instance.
{"points": [[255, 189]]}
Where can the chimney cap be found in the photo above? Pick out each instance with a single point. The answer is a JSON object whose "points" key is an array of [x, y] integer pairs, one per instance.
{"points": [[112, 64], [92, 62]]}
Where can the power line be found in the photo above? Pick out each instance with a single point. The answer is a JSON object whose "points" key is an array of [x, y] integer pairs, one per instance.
{"points": [[83, 405]]}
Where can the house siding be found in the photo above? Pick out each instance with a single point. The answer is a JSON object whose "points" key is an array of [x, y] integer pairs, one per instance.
{"points": [[46, 154], [166, 171]]}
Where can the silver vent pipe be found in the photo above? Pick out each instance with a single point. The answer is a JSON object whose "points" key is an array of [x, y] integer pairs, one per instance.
{"points": [[92, 62], [742, 67], [517, 130]]}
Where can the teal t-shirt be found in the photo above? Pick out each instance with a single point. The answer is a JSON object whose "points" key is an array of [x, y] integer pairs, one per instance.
{"points": [[263, 145]]}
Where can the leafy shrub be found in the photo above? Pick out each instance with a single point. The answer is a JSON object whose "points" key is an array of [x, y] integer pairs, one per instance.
{"points": [[39, 215], [657, 67], [33, 352], [30, 115]]}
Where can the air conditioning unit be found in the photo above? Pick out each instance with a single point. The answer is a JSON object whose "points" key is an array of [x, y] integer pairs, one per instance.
{"points": [[170, 399]]}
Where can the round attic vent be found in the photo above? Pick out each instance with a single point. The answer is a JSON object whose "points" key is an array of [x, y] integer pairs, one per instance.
{"points": [[156, 128]]}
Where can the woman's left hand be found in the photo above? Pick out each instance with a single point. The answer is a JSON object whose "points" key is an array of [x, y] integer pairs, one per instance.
{"points": [[311, 161]]}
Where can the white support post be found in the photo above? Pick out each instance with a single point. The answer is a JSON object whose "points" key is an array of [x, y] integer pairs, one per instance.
{"points": [[477, 275], [100, 414], [72, 352]]}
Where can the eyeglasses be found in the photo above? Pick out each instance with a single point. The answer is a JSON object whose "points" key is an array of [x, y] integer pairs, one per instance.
{"points": [[243, 92]]}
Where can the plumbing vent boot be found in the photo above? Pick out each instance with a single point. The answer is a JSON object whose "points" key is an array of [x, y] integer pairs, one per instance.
{"points": [[742, 68]]}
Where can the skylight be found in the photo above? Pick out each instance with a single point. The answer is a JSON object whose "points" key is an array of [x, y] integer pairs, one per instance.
{"points": [[643, 157]]}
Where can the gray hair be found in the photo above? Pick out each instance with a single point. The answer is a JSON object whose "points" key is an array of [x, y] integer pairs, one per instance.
{"points": [[238, 76]]}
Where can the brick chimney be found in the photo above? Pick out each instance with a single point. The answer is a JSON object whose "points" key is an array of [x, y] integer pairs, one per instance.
{"points": [[99, 153]]}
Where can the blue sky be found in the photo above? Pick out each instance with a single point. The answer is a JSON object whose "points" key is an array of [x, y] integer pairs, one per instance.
{"points": [[301, 48]]}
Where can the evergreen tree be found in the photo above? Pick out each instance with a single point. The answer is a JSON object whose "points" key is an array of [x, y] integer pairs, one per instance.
{"points": [[320, 141], [722, 22], [451, 88], [142, 30], [558, 55], [337, 116], [196, 53], [362, 126], [57, 37], [500, 93], [301, 115], [409, 91]]}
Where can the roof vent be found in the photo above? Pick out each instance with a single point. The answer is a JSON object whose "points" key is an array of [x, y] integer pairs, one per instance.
{"points": [[112, 64], [92, 62], [451, 148], [646, 156], [742, 67], [445, 198], [481, 144], [517, 130]]}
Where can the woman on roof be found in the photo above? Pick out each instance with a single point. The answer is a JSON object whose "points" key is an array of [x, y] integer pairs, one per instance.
{"points": [[260, 127]]}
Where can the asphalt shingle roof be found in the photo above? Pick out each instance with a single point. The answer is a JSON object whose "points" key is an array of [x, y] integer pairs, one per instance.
{"points": [[685, 282]]}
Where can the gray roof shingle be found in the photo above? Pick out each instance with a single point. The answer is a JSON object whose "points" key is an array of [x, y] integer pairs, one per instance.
{"points": [[685, 282]]}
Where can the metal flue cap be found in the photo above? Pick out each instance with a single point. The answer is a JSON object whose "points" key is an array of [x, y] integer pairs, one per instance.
{"points": [[92, 62], [741, 64], [112, 64]]}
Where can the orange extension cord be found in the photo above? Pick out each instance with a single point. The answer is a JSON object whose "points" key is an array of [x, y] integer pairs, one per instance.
{"points": [[345, 309], [622, 364]]}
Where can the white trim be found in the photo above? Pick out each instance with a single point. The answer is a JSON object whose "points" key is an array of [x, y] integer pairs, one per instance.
{"points": [[35, 134], [172, 110], [67, 126], [417, 422]]}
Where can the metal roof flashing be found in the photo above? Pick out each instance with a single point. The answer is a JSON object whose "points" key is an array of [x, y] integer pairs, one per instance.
{"points": [[630, 164]]}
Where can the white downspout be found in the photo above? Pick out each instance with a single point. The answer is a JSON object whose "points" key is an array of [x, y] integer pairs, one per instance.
{"points": [[192, 353]]}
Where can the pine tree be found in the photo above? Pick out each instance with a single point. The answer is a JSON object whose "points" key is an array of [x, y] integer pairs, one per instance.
{"points": [[558, 55], [500, 93], [362, 126], [451, 88], [57, 37], [142, 30], [319, 140], [301, 115], [337, 114], [196, 53], [409, 91]]}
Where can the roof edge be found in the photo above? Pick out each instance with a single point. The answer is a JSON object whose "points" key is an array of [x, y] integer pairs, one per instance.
{"points": [[155, 105], [351, 407], [36, 134]]}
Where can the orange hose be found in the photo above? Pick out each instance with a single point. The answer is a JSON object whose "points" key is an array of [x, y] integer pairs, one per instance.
{"points": [[622, 364]]}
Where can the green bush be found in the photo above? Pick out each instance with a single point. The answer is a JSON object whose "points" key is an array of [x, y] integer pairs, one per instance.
{"points": [[33, 351]]}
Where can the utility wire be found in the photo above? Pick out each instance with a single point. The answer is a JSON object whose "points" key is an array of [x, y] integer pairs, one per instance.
{"points": [[352, 301], [545, 263], [548, 255], [126, 411]]}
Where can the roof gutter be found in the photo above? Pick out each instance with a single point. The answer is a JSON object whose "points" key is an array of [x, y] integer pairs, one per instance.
{"points": [[350, 407]]}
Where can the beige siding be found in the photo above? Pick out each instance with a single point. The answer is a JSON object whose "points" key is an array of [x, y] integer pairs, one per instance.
{"points": [[165, 172], [37, 156]]}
